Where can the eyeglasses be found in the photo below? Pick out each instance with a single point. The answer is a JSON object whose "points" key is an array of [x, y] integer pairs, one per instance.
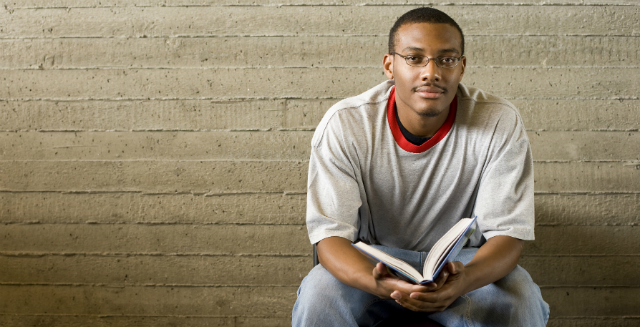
{"points": [[421, 61]]}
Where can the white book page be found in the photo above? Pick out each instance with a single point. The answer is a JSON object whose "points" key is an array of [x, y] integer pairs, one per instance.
{"points": [[441, 248], [390, 260]]}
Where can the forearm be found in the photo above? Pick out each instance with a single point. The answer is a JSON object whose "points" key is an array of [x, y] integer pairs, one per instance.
{"points": [[348, 265], [494, 260]]}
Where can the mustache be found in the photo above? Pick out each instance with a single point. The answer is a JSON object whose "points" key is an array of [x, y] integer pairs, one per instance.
{"points": [[444, 89]]}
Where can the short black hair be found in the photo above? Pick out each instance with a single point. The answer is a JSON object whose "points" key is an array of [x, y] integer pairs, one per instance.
{"points": [[422, 15]]}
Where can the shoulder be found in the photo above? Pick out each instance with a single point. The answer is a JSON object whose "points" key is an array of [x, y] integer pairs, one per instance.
{"points": [[479, 108], [481, 104], [352, 114]]}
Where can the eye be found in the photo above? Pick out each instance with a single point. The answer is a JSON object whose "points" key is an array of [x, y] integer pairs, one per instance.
{"points": [[447, 60], [414, 59]]}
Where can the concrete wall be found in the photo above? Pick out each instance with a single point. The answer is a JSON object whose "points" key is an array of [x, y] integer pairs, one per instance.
{"points": [[153, 157]]}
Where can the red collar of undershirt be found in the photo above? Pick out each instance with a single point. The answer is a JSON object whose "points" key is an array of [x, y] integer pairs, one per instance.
{"points": [[402, 141]]}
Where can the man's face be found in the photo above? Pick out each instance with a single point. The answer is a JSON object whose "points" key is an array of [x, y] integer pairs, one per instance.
{"points": [[427, 91]]}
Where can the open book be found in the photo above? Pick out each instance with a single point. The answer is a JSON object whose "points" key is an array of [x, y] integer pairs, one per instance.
{"points": [[442, 252]]}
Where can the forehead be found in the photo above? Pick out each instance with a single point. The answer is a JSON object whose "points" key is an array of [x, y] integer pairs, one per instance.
{"points": [[428, 36]]}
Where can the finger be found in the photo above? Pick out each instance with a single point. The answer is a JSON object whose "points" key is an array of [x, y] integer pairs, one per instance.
{"points": [[429, 297], [379, 271], [416, 305], [407, 302], [419, 288], [396, 295], [426, 297], [404, 287], [455, 267], [442, 278], [441, 296], [384, 269]]}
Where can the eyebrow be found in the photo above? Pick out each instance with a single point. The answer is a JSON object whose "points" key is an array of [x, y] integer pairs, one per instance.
{"points": [[450, 50], [440, 52]]}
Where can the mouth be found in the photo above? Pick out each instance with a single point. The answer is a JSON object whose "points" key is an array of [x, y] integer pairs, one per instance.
{"points": [[430, 91]]}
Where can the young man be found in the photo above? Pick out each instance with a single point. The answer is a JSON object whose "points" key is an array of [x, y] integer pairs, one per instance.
{"points": [[399, 165]]}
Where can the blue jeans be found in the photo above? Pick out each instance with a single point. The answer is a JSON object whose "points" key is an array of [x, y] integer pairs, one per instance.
{"points": [[514, 300]]}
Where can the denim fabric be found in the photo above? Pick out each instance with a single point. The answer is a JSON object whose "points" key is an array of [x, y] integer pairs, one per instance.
{"points": [[514, 300]]}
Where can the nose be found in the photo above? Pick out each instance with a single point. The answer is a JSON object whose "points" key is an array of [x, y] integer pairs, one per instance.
{"points": [[430, 72]]}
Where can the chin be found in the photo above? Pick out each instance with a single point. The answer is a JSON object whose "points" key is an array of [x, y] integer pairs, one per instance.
{"points": [[430, 108], [430, 113]]}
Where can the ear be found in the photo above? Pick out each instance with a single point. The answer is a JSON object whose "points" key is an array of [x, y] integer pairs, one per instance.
{"points": [[387, 64], [463, 63]]}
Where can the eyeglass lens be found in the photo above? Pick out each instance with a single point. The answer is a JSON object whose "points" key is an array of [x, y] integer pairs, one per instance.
{"points": [[420, 61]]}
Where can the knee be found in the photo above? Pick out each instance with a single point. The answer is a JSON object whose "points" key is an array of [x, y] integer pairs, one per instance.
{"points": [[318, 284], [318, 294], [524, 295], [325, 301], [519, 284]]}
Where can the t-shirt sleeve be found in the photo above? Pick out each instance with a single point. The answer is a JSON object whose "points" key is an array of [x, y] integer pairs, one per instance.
{"points": [[333, 197], [504, 203]]}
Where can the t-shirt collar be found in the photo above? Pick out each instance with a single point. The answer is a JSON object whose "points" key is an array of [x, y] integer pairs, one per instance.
{"points": [[402, 141]]}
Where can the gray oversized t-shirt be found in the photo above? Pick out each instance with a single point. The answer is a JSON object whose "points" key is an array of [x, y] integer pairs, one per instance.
{"points": [[364, 185]]}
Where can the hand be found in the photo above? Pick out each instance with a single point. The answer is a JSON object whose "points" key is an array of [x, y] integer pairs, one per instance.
{"points": [[450, 284], [439, 282], [387, 284]]}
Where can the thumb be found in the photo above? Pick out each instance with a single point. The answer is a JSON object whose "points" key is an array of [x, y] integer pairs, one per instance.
{"points": [[455, 267], [380, 271]]}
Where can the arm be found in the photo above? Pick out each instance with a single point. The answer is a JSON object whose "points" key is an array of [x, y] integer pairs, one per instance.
{"points": [[494, 260], [352, 268]]}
